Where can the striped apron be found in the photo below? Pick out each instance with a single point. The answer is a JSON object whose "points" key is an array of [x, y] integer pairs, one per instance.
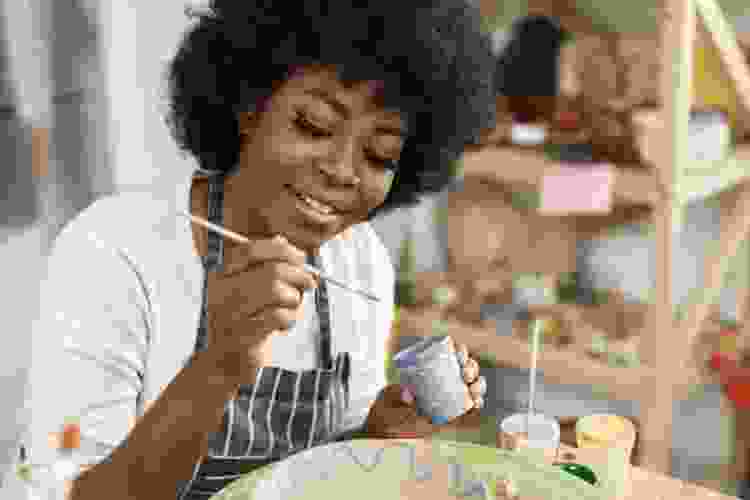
{"points": [[283, 412]]}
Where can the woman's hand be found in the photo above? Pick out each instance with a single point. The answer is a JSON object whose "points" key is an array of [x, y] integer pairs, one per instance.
{"points": [[394, 413], [258, 293]]}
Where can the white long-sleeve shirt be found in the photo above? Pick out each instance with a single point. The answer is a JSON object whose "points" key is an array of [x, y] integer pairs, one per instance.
{"points": [[119, 314]]}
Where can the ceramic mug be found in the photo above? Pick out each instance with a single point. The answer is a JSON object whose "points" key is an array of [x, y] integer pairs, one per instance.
{"points": [[431, 369]]}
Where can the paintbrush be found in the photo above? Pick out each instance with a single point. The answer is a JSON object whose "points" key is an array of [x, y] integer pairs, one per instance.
{"points": [[238, 238]]}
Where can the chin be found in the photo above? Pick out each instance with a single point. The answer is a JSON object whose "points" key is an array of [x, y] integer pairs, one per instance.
{"points": [[309, 237]]}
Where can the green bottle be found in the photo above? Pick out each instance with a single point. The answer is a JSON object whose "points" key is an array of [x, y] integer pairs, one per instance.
{"points": [[579, 471]]}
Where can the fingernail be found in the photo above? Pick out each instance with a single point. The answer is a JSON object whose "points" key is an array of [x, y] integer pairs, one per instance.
{"points": [[406, 395]]}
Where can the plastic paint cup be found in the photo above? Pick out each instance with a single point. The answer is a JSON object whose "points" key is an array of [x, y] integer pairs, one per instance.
{"points": [[615, 435], [540, 438]]}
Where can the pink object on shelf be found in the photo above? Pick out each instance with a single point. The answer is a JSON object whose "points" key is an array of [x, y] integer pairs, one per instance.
{"points": [[586, 189]]}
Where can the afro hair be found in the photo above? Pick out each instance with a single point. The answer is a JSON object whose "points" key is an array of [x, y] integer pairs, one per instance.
{"points": [[435, 63]]}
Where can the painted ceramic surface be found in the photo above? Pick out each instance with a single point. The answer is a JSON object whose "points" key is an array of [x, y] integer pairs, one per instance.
{"points": [[404, 469]]}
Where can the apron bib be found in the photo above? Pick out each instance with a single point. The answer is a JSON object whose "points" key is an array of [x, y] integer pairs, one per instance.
{"points": [[283, 412]]}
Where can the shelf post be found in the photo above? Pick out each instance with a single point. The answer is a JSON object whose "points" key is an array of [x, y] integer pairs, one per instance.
{"points": [[677, 34]]}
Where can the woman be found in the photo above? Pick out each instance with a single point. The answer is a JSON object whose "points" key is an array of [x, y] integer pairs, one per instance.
{"points": [[281, 103]]}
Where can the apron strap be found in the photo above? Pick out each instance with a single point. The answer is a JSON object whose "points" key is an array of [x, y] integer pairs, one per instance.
{"points": [[322, 307], [215, 256]]}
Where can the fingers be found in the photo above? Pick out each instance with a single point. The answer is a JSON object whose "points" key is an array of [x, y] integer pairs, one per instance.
{"points": [[389, 414], [461, 348], [286, 284], [278, 319], [286, 274], [478, 390], [462, 353], [470, 371], [393, 395], [239, 257], [266, 296]]}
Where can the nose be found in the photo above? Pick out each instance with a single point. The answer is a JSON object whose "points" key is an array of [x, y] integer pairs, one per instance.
{"points": [[340, 165]]}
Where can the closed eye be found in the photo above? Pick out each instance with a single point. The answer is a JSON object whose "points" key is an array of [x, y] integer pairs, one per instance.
{"points": [[305, 125], [308, 127]]}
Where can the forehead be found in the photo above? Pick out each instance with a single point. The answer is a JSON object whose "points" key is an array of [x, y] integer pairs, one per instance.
{"points": [[323, 83]]}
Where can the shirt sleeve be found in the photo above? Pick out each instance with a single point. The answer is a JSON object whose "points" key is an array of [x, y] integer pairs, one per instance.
{"points": [[89, 347]]}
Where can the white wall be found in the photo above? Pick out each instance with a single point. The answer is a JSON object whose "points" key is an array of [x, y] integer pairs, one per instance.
{"points": [[140, 38]]}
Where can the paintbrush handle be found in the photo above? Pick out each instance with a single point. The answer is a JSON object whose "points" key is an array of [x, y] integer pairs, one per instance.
{"points": [[238, 238]]}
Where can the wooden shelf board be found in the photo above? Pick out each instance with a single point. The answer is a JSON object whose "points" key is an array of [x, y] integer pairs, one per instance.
{"points": [[557, 365], [522, 167], [567, 365], [590, 227], [702, 179]]}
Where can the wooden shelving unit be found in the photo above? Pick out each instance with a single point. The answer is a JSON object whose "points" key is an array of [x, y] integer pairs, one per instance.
{"points": [[660, 191]]}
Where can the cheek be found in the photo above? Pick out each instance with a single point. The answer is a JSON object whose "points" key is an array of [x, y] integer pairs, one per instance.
{"points": [[370, 200], [282, 148], [367, 204], [376, 197]]}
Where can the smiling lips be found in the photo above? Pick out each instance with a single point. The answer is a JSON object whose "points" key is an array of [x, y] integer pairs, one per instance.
{"points": [[315, 204]]}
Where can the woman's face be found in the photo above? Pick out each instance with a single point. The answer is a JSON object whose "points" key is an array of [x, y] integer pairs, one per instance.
{"points": [[319, 138]]}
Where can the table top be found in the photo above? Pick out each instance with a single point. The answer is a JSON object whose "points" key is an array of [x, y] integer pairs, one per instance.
{"points": [[645, 485]]}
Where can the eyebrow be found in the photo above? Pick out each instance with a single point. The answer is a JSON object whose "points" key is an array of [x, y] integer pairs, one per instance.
{"points": [[344, 110]]}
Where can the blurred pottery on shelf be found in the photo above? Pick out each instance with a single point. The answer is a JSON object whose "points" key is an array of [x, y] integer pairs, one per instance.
{"points": [[528, 134], [532, 290]]}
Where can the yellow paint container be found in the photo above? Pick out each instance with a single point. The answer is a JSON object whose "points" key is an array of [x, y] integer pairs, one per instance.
{"points": [[712, 87], [616, 435]]}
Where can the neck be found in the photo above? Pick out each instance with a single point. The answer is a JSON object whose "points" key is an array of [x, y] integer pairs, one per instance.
{"points": [[199, 208]]}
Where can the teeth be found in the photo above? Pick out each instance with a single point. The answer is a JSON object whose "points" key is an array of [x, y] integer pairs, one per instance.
{"points": [[320, 207]]}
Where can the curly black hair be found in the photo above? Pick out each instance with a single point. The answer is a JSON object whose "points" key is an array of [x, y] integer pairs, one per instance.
{"points": [[434, 60]]}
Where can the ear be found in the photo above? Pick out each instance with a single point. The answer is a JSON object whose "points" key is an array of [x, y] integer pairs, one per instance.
{"points": [[247, 122]]}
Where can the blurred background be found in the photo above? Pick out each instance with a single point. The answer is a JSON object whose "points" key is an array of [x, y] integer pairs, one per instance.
{"points": [[97, 85], [66, 66]]}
